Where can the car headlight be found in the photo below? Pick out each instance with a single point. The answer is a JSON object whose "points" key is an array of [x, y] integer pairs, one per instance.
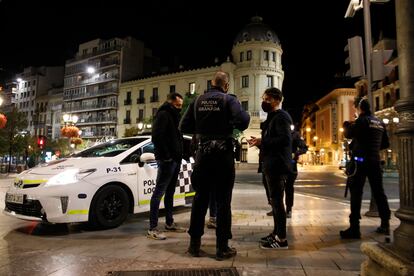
{"points": [[69, 176]]}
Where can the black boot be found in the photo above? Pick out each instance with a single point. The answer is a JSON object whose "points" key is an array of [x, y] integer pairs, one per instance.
{"points": [[224, 251], [351, 233], [384, 228], [194, 248]]}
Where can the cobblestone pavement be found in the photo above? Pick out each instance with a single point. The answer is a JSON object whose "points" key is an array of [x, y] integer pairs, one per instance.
{"points": [[28, 248]]}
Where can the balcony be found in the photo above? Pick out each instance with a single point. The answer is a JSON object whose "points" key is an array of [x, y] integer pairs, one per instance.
{"points": [[88, 107], [140, 100], [99, 52], [91, 81], [154, 99], [97, 133], [92, 94], [127, 120], [128, 101], [97, 120]]}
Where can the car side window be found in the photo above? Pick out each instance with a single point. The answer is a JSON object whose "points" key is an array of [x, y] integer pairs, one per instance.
{"points": [[134, 157], [148, 148]]}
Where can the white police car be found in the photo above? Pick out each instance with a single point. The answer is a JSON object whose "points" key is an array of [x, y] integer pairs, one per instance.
{"points": [[99, 185]]}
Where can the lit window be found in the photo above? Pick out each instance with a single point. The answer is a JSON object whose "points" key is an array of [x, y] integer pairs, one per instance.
{"points": [[266, 55], [249, 55], [192, 87], [269, 81], [245, 81], [241, 56]]}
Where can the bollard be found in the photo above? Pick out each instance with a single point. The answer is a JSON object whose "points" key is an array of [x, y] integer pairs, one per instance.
{"points": [[373, 209]]}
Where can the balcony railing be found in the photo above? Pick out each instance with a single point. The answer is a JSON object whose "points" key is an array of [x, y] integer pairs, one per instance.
{"points": [[89, 107], [92, 94], [140, 100], [94, 133], [99, 52], [94, 81], [127, 102], [127, 120], [154, 99], [97, 120]]}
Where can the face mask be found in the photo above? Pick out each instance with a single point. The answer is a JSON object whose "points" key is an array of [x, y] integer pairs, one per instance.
{"points": [[267, 107]]}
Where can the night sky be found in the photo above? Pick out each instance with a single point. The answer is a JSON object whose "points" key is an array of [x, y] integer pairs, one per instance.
{"points": [[313, 36]]}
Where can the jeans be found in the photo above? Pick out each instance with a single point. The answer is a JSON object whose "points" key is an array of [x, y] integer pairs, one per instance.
{"points": [[289, 189], [276, 184], [166, 181]]}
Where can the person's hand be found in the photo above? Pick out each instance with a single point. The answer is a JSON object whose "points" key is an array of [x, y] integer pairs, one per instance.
{"points": [[254, 141]]}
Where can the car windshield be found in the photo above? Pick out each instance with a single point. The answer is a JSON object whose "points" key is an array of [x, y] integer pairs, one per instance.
{"points": [[111, 148]]}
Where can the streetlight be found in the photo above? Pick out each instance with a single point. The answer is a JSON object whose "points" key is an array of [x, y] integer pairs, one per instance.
{"points": [[308, 129], [140, 125], [90, 70]]}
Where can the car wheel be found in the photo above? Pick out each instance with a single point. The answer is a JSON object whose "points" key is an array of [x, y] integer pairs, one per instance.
{"points": [[109, 207]]}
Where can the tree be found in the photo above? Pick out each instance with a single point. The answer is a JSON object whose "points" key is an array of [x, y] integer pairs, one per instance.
{"points": [[11, 139], [188, 97], [130, 132]]}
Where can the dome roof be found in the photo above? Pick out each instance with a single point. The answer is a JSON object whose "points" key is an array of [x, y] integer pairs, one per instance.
{"points": [[258, 31]]}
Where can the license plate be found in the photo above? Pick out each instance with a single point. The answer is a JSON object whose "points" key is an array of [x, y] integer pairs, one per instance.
{"points": [[15, 198]]}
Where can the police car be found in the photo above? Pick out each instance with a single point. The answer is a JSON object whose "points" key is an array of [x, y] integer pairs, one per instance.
{"points": [[99, 185]]}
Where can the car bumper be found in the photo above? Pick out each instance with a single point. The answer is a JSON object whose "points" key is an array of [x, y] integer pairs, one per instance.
{"points": [[55, 204]]}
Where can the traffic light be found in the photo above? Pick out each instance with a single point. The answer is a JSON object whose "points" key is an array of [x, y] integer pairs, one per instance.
{"points": [[355, 57], [41, 141]]}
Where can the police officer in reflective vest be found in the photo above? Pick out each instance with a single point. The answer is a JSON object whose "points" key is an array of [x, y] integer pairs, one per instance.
{"points": [[212, 117], [368, 136]]}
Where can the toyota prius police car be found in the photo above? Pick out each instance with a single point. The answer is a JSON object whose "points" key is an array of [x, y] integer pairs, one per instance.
{"points": [[99, 185]]}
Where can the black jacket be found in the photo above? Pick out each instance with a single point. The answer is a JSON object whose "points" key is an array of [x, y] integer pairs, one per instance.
{"points": [[368, 135], [216, 114], [167, 139], [277, 141]]}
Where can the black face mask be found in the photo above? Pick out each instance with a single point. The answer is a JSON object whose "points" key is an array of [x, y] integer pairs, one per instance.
{"points": [[267, 107]]}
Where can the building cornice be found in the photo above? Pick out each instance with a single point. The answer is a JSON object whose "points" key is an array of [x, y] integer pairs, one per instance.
{"points": [[334, 94]]}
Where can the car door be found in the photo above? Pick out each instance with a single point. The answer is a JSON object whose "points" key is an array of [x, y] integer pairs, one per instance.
{"points": [[147, 175]]}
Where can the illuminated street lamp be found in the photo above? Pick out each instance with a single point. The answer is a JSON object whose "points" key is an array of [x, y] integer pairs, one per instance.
{"points": [[308, 129], [90, 70], [292, 127], [386, 121], [396, 120]]}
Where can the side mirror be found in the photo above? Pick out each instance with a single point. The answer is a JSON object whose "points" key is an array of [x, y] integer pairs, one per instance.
{"points": [[146, 158]]}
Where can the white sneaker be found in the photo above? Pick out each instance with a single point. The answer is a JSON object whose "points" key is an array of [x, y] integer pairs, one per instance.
{"points": [[155, 234]]}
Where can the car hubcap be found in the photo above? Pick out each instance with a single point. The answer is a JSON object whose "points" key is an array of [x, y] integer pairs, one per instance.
{"points": [[111, 207]]}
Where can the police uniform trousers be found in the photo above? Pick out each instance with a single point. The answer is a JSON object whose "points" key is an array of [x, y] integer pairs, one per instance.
{"points": [[372, 170], [213, 173]]}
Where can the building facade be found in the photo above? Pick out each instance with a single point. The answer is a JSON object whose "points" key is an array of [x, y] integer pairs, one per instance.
{"points": [[48, 114], [328, 144], [33, 83], [254, 65], [92, 81]]}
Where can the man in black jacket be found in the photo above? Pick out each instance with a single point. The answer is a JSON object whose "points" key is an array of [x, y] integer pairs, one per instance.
{"points": [[369, 136], [276, 156], [212, 117], [168, 146]]}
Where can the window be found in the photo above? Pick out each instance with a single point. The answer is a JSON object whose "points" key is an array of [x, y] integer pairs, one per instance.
{"points": [[274, 56], [209, 84], [269, 81], [85, 51], [387, 100], [245, 105], [128, 114], [191, 87], [141, 93], [249, 55], [129, 95], [172, 88], [241, 56], [94, 49], [377, 107], [140, 115], [397, 94], [34, 82], [245, 81], [154, 97], [266, 55]]}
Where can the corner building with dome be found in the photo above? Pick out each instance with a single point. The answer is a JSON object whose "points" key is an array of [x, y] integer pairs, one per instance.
{"points": [[255, 65]]}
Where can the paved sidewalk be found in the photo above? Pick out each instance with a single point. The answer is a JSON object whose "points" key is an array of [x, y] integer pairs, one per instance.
{"points": [[314, 245]]}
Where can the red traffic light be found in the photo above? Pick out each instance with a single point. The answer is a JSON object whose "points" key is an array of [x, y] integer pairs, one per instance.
{"points": [[41, 141]]}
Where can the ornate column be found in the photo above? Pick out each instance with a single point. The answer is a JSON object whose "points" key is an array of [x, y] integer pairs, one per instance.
{"points": [[404, 234], [397, 258]]}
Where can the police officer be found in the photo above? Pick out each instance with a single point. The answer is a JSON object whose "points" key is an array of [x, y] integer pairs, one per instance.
{"points": [[368, 136], [212, 117]]}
